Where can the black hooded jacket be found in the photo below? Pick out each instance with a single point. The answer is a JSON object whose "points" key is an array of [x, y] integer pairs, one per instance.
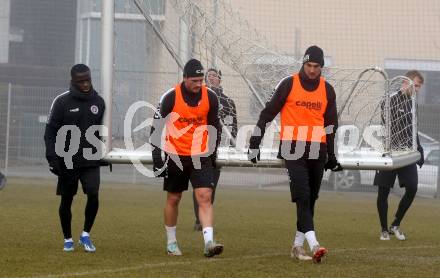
{"points": [[74, 108]]}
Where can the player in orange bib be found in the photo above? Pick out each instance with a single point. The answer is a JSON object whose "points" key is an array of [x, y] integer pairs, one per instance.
{"points": [[307, 104], [187, 112]]}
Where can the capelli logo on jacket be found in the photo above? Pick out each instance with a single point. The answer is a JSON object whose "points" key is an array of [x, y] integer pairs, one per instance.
{"points": [[196, 121], [309, 104]]}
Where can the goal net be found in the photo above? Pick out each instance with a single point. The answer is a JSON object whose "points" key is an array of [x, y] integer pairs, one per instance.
{"points": [[153, 39]]}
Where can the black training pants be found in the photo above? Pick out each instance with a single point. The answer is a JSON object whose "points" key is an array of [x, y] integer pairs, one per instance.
{"points": [[305, 177], [408, 178]]}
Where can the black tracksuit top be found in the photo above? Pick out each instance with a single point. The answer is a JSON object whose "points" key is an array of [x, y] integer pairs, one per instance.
{"points": [[74, 108], [227, 111], [401, 121]]}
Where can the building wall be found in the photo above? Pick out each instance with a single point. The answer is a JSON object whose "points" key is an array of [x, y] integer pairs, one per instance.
{"points": [[354, 33], [40, 42]]}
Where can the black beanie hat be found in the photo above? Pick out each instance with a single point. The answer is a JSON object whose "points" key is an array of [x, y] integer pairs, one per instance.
{"points": [[193, 68], [314, 54]]}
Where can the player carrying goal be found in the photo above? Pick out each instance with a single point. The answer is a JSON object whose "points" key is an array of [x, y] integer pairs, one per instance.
{"points": [[185, 111], [307, 104], [401, 136]]}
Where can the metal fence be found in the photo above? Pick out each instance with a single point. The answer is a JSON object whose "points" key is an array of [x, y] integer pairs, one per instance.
{"points": [[23, 114]]}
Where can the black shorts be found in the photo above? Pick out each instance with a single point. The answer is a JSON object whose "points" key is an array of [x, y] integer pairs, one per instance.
{"points": [[177, 179], [305, 176], [68, 181], [407, 177]]}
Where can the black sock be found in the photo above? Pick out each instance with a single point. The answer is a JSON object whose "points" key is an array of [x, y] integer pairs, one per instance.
{"points": [[66, 215], [91, 211], [304, 215]]}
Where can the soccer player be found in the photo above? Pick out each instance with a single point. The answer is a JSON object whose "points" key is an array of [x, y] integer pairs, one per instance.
{"points": [[80, 106], [402, 134], [307, 104], [186, 111], [228, 117]]}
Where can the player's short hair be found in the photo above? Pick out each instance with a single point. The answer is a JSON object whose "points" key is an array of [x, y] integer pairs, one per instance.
{"points": [[413, 74], [78, 68]]}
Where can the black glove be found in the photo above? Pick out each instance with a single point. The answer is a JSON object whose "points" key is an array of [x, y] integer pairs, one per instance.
{"points": [[333, 164], [254, 149], [422, 156], [157, 172], [158, 164], [213, 158], [254, 155], [103, 163], [56, 166]]}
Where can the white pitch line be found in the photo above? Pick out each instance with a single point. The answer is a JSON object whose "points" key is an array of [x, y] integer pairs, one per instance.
{"points": [[153, 265], [211, 260]]}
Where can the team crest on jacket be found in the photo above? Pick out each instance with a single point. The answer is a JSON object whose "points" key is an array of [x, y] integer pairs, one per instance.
{"points": [[94, 109]]}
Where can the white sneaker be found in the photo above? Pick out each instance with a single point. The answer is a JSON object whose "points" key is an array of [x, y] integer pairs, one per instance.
{"points": [[299, 253], [384, 235], [395, 230], [173, 249]]}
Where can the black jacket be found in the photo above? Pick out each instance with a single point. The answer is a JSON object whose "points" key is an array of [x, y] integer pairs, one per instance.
{"points": [[276, 103], [227, 112], [74, 108], [401, 122]]}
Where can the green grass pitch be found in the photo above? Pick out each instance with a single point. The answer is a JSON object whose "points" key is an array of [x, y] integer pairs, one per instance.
{"points": [[256, 227]]}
